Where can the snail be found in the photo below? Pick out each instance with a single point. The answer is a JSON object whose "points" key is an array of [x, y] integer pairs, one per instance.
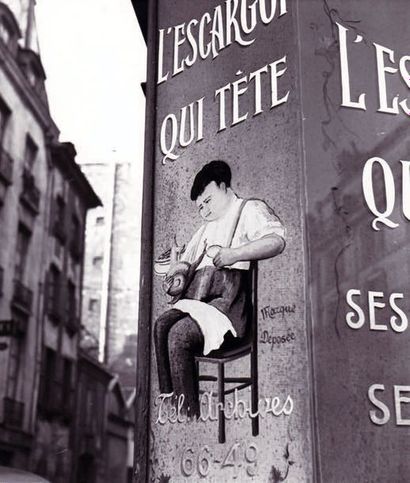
{"points": [[179, 277]]}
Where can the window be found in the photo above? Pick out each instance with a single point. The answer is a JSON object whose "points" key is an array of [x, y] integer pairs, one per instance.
{"points": [[6, 162], [23, 243], [4, 117], [93, 305], [60, 208], [91, 409], [71, 308], [72, 319], [13, 368], [30, 152], [5, 32], [30, 194], [59, 219], [97, 261], [99, 220], [54, 290], [9, 29], [76, 227], [48, 388], [67, 387], [32, 76], [76, 244]]}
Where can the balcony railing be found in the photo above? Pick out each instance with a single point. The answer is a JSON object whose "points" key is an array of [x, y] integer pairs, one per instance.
{"points": [[13, 413], [14, 327], [6, 167], [22, 297], [30, 195]]}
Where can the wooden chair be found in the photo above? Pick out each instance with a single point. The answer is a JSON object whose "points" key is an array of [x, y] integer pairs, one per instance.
{"points": [[222, 357]]}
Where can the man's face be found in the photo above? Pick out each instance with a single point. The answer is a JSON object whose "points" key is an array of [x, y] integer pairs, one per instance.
{"points": [[212, 203]]}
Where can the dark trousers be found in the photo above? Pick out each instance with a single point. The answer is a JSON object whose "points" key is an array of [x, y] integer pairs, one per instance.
{"points": [[178, 339]]}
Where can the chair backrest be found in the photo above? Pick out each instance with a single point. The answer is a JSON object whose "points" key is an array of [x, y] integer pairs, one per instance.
{"points": [[253, 322]]}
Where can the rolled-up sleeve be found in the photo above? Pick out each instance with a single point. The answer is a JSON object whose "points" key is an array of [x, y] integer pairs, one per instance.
{"points": [[258, 220]]}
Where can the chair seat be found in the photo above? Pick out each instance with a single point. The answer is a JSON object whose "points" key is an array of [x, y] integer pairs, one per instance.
{"points": [[225, 355]]}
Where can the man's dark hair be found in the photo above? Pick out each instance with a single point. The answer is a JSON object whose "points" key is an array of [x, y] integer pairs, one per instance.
{"points": [[217, 171]]}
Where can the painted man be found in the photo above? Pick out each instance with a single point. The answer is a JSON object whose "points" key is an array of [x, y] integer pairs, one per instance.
{"points": [[213, 312]]}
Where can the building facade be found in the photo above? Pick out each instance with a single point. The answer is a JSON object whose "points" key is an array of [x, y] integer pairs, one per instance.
{"points": [[26, 130], [70, 197], [44, 198]]}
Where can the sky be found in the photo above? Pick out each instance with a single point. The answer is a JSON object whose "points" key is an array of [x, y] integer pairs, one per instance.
{"points": [[94, 56]]}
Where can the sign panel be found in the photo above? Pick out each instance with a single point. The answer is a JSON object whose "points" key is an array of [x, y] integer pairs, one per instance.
{"points": [[355, 90], [229, 381]]}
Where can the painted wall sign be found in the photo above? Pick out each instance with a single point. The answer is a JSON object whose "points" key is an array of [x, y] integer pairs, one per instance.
{"points": [[276, 210]]}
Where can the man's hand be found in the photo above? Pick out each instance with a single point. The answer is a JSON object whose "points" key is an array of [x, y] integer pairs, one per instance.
{"points": [[225, 257]]}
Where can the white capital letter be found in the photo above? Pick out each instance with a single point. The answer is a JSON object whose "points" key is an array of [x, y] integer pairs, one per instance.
{"points": [[360, 314], [367, 184], [381, 70], [398, 399], [379, 405], [344, 71]]}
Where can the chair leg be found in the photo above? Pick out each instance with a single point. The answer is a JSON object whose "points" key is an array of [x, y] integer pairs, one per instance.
{"points": [[254, 394], [221, 400]]}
